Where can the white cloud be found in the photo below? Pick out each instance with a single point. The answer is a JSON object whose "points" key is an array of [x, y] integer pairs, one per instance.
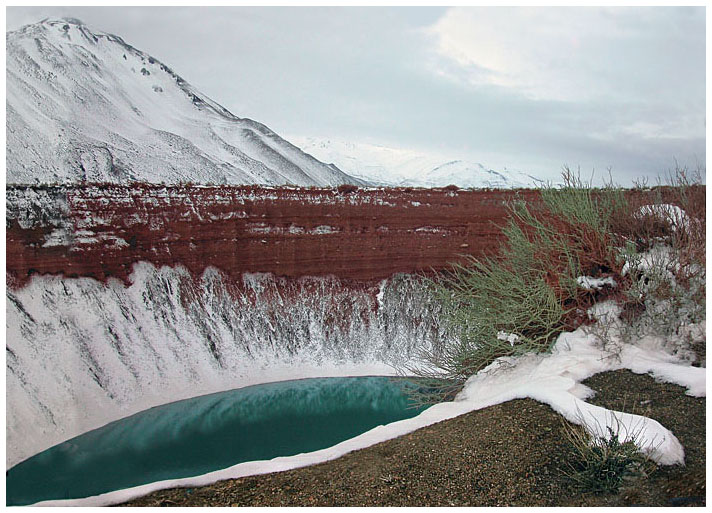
{"points": [[575, 54]]}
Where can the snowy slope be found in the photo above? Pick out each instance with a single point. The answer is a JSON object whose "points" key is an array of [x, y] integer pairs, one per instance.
{"points": [[396, 166], [84, 105], [81, 353]]}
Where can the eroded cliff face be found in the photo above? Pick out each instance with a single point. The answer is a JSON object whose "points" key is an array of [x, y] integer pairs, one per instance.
{"points": [[366, 234], [126, 297], [81, 353], [121, 298]]}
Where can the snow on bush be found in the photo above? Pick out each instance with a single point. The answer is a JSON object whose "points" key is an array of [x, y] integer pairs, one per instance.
{"points": [[590, 283], [667, 213]]}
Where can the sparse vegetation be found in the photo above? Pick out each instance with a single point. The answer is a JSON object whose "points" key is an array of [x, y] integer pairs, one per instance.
{"points": [[522, 298], [602, 463], [665, 261]]}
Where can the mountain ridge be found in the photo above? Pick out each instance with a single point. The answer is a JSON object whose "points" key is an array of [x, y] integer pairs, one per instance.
{"points": [[84, 105], [399, 167]]}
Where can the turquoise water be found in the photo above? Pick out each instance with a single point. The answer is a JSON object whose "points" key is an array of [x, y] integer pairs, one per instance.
{"points": [[207, 433]]}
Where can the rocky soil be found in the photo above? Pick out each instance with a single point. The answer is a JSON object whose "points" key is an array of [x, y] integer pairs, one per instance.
{"points": [[511, 454]]}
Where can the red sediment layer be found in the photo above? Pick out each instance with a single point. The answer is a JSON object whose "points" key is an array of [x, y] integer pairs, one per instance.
{"points": [[362, 235]]}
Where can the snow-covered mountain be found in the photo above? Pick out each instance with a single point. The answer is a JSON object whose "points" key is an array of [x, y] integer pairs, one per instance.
{"points": [[402, 167], [85, 105]]}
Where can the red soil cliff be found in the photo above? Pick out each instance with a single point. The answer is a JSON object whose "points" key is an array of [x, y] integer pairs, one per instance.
{"points": [[100, 231]]}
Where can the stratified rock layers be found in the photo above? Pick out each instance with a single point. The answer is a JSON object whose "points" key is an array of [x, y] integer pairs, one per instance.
{"points": [[223, 286], [101, 231]]}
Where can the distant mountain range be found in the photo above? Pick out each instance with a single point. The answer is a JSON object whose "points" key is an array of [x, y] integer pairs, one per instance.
{"points": [[381, 165], [83, 105]]}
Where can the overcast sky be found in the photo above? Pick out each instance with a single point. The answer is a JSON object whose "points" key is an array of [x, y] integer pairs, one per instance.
{"points": [[521, 88]]}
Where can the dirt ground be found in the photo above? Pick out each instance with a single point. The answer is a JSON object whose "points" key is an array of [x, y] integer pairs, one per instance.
{"points": [[511, 454]]}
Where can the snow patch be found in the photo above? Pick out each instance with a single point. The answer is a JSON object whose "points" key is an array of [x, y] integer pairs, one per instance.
{"points": [[512, 338], [58, 237], [324, 230], [659, 262], [432, 229], [590, 283], [381, 293]]}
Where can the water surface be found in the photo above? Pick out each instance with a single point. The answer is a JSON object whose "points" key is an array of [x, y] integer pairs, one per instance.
{"points": [[207, 433]]}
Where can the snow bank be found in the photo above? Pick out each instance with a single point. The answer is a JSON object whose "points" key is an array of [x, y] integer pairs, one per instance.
{"points": [[553, 379]]}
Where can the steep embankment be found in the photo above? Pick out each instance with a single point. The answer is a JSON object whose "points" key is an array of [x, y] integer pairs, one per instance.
{"points": [[222, 287], [101, 231], [81, 353]]}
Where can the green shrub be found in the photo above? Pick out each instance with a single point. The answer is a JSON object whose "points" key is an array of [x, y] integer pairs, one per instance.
{"points": [[523, 297], [601, 464], [580, 204]]}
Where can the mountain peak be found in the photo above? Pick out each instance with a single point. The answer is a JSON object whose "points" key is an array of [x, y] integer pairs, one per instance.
{"points": [[405, 167], [85, 105], [65, 21], [49, 24]]}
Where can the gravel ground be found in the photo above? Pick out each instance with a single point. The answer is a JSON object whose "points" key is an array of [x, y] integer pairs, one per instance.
{"points": [[509, 454], [680, 413]]}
